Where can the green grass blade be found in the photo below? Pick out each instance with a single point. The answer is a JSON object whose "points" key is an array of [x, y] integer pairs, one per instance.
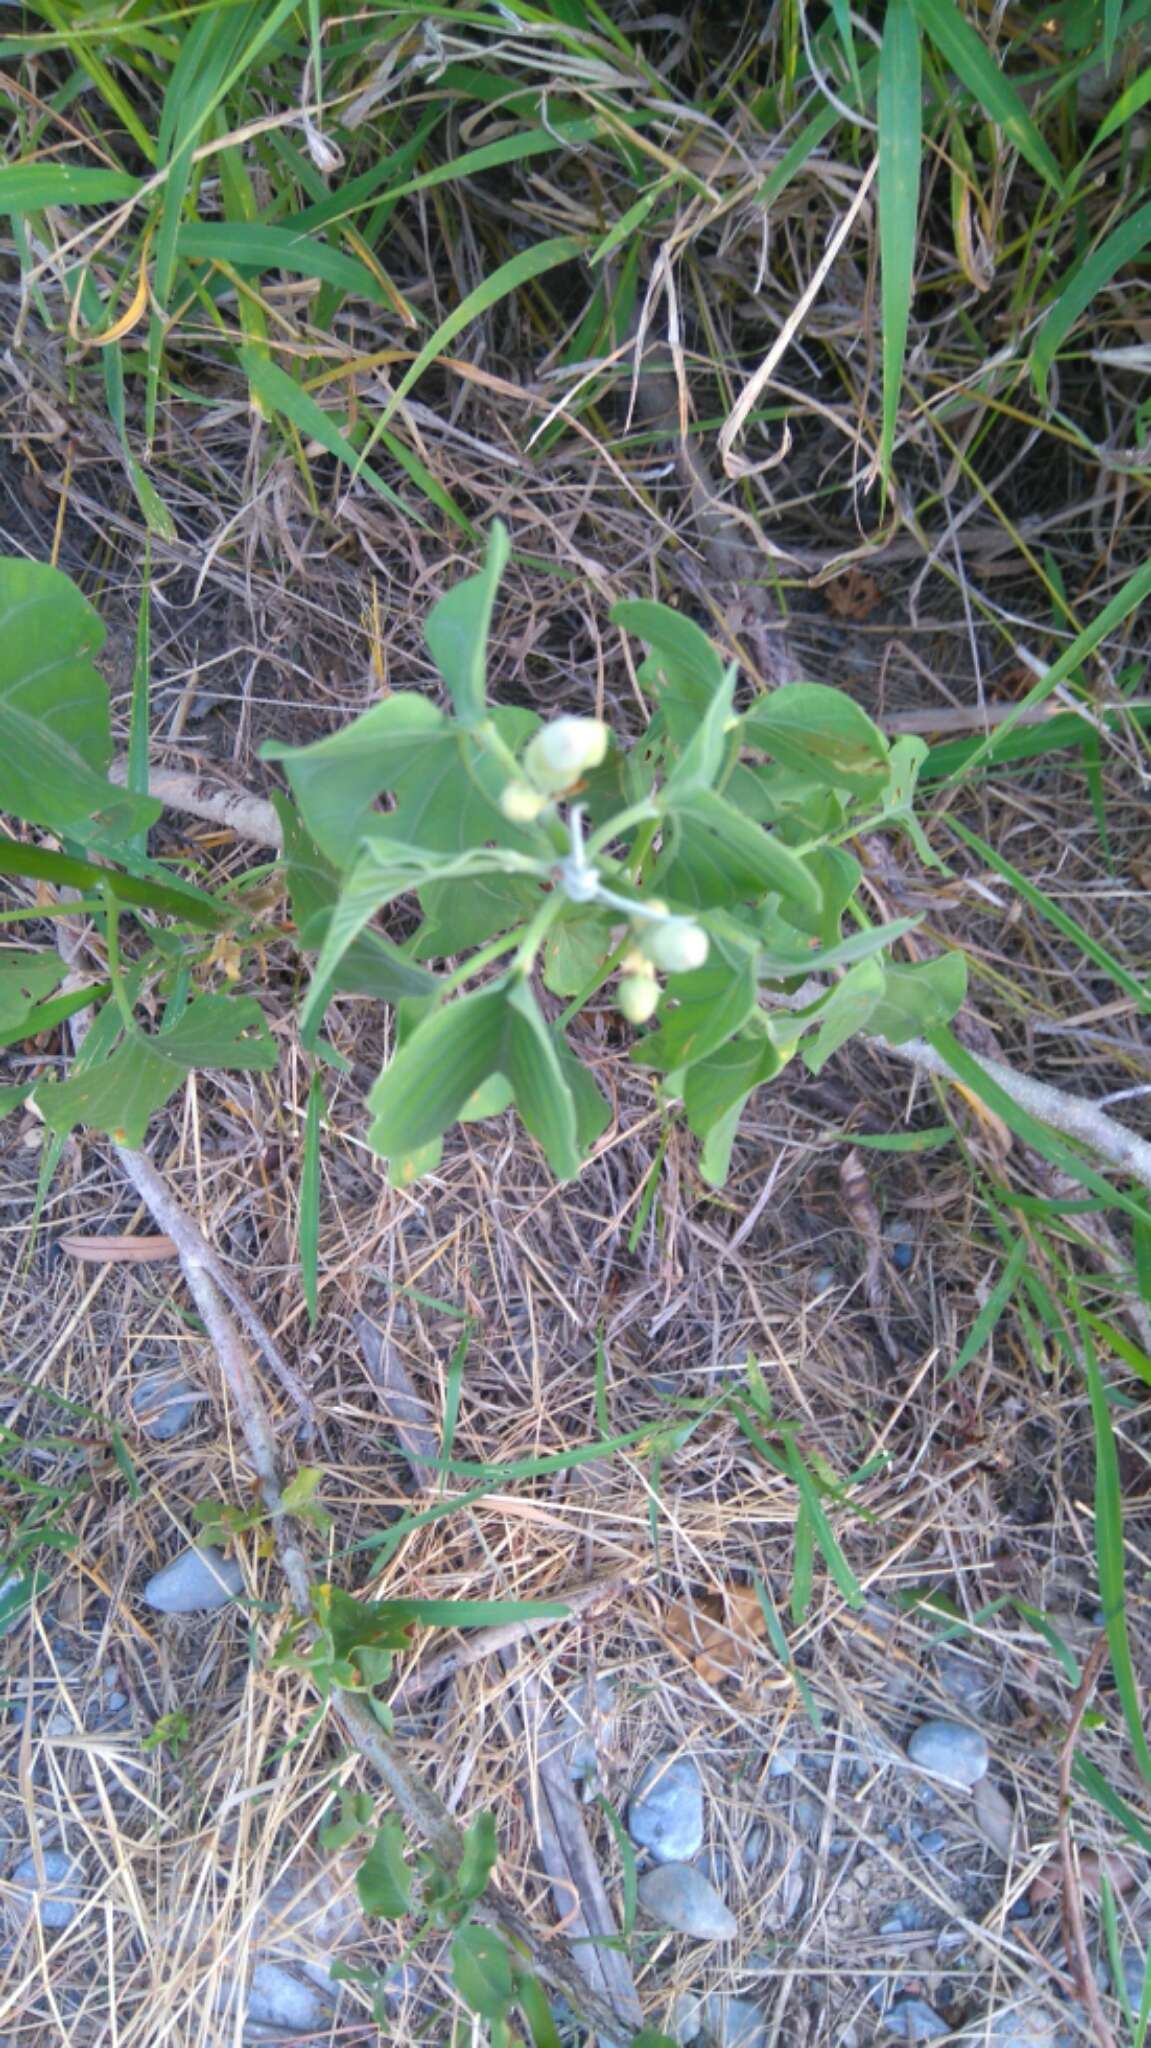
{"points": [[1139, 991], [452, 1394], [992, 1309], [26, 187], [1028, 1127], [518, 270], [309, 1224], [1122, 246], [900, 145], [138, 721], [969, 57], [1111, 1557], [822, 1530], [1133, 593]]}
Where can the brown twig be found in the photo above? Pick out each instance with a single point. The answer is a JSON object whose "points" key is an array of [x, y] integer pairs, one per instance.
{"points": [[1074, 1930]]}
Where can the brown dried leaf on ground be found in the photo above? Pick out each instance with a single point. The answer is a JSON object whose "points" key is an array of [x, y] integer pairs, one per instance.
{"points": [[721, 1635], [1049, 1883]]}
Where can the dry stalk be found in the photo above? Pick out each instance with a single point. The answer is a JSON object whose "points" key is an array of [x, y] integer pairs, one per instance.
{"points": [[1074, 1930]]}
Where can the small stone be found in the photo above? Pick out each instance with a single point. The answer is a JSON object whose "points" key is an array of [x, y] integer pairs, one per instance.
{"points": [[116, 1702], [899, 1236], [164, 1404], [908, 1917], [734, 2022], [947, 1750], [914, 2020], [784, 1761], [1029, 2025], [808, 1814], [680, 1898], [823, 1279], [685, 2021], [585, 1719], [196, 1582], [964, 1680], [932, 1841], [58, 1901], [665, 1813], [278, 1999]]}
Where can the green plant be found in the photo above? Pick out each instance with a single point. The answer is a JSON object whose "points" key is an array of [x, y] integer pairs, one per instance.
{"points": [[708, 865]]}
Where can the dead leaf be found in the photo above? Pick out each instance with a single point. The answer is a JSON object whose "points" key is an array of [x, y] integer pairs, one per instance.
{"points": [[1049, 1883], [117, 1251], [854, 595], [994, 1817], [721, 1637]]}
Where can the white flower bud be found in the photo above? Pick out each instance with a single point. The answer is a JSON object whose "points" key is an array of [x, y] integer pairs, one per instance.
{"points": [[564, 750], [638, 997], [678, 946], [520, 804]]}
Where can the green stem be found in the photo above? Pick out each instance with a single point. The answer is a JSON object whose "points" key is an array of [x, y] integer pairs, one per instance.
{"points": [[636, 814], [112, 942]]}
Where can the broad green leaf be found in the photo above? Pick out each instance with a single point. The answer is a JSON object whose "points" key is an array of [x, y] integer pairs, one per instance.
{"points": [[683, 666], [532, 2000], [119, 1095], [592, 1110], [479, 1857], [763, 859], [849, 1008], [458, 626], [372, 965], [25, 979], [919, 999], [482, 1971], [25, 188], [494, 1031], [969, 57], [575, 950], [900, 109], [819, 732], [838, 874], [55, 734], [353, 1623], [337, 780], [723, 1080], [702, 757], [1120, 247], [432, 1075], [383, 1880], [12, 1094], [532, 1065], [710, 1005]]}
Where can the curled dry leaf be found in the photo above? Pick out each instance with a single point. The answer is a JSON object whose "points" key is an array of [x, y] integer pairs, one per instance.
{"points": [[1049, 1883], [721, 1636], [117, 1251], [994, 1817]]}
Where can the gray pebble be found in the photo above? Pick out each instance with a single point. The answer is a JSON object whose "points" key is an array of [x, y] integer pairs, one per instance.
{"points": [[196, 1582], [899, 1236], [914, 2020], [949, 1751], [680, 1898], [808, 1814], [665, 1813], [685, 2020], [582, 1718], [964, 1680], [164, 1404], [823, 1279], [733, 2022], [1030, 2025], [56, 1904], [278, 1999], [784, 1761], [908, 1917], [932, 1841], [116, 1702]]}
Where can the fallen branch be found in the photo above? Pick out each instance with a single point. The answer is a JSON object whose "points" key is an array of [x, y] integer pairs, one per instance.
{"points": [[1109, 1140]]}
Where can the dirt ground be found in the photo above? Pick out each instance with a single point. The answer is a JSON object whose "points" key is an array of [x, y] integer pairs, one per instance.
{"points": [[532, 1321]]}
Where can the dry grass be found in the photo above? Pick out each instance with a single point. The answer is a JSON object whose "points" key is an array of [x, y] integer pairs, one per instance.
{"points": [[283, 606]]}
